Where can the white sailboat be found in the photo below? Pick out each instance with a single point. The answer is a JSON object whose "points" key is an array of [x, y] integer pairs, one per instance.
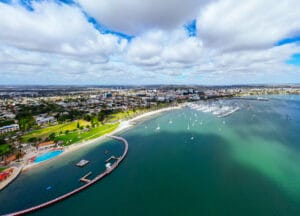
{"points": [[158, 127]]}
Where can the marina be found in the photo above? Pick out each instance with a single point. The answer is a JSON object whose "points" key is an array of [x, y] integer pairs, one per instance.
{"points": [[217, 108]]}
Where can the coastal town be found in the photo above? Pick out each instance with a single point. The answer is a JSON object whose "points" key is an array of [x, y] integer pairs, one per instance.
{"points": [[131, 108], [38, 123]]}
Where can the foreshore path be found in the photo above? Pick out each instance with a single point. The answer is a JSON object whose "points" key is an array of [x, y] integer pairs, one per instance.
{"points": [[17, 170], [93, 181]]}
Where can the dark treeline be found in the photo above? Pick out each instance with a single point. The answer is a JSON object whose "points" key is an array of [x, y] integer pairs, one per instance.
{"points": [[25, 114], [4, 122]]}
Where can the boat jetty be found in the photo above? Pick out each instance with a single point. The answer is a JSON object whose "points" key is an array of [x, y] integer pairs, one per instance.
{"points": [[87, 182]]}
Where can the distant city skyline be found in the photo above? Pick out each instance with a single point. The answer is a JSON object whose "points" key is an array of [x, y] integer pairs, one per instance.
{"points": [[133, 42]]}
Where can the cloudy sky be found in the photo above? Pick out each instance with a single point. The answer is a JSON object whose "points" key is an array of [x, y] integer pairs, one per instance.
{"points": [[149, 42]]}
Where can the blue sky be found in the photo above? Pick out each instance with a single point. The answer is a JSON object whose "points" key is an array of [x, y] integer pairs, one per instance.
{"points": [[149, 42], [294, 60]]}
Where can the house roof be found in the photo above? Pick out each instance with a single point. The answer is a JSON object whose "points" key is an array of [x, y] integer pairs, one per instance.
{"points": [[46, 144], [9, 126]]}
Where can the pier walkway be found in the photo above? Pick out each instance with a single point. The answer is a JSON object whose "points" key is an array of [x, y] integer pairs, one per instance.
{"points": [[112, 158], [89, 182], [85, 179], [16, 171]]}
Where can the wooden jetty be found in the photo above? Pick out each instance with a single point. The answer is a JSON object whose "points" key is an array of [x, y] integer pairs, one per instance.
{"points": [[85, 179], [91, 182], [112, 158]]}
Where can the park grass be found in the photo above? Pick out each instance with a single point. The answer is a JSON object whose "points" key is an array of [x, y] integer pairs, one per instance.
{"points": [[60, 128], [4, 149], [122, 115], [126, 115], [68, 133], [79, 135], [2, 168]]}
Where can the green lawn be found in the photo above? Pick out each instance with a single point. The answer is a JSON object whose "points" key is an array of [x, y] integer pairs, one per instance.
{"points": [[45, 132], [123, 115], [4, 149], [77, 136], [2, 168], [128, 114]]}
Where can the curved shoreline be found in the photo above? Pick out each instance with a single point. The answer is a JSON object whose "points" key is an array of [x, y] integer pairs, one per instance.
{"points": [[93, 181], [11, 178], [124, 125]]}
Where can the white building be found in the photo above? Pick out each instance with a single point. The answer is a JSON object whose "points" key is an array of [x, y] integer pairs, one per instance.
{"points": [[45, 120], [9, 128]]}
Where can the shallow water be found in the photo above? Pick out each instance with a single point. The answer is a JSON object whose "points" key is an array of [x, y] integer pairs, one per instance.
{"points": [[196, 164]]}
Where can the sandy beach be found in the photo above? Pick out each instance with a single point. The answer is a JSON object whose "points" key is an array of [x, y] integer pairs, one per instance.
{"points": [[124, 125]]}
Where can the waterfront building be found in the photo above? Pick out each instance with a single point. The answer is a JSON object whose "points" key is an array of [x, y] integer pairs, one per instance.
{"points": [[46, 145], [10, 159], [5, 174], [9, 128]]}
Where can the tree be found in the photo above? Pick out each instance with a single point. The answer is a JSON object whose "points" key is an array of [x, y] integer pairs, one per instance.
{"points": [[19, 155], [2, 141], [78, 125], [94, 121], [6, 122], [26, 122], [32, 139], [52, 136], [87, 117], [101, 116]]}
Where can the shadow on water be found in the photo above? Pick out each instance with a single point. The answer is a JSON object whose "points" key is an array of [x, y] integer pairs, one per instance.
{"points": [[269, 146], [170, 174], [271, 124]]}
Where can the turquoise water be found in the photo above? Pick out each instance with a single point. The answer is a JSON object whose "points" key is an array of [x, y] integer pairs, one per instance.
{"points": [[245, 164], [47, 156]]}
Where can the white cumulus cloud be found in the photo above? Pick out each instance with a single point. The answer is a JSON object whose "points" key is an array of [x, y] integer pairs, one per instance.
{"points": [[234, 44], [136, 16], [248, 24], [53, 27]]}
